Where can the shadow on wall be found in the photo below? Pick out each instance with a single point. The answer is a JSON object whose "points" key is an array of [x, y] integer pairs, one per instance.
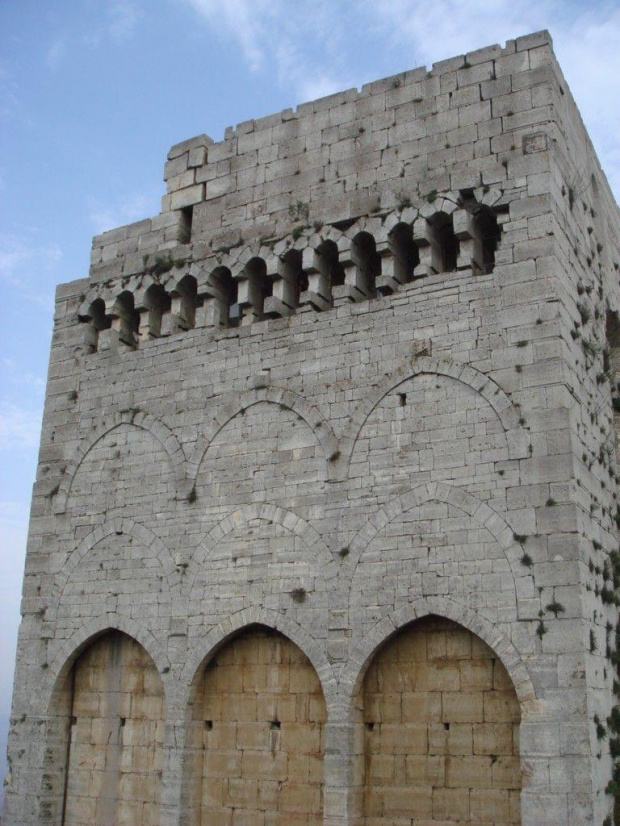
{"points": [[371, 259]]}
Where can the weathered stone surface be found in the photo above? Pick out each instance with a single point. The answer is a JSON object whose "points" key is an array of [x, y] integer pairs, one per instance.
{"points": [[357, 373]]}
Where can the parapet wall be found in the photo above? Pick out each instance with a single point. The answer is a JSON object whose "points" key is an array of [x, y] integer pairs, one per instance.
{"points": [[466, 123], [347, 197], [354, 385]]}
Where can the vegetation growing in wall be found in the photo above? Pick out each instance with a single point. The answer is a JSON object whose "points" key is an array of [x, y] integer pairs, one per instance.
{"points": [[299, 211]]}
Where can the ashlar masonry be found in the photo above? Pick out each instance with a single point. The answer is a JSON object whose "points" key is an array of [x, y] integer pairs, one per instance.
{"points": [[325, 526]]}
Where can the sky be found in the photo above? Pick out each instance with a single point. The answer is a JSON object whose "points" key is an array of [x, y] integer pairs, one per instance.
{"points": [[94, 92]]}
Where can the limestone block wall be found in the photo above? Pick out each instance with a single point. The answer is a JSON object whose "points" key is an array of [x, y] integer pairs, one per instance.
{"points": [[117, 732], [349, 394], [260, 713], [441, 734]]}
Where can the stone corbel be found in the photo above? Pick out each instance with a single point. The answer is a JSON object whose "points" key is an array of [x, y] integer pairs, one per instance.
{"points": [[388, 282], [463, 224], [284, 279], [422, 238]]}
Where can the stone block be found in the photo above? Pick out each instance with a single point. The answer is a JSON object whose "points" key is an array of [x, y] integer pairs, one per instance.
{"points": [[321, 437]]}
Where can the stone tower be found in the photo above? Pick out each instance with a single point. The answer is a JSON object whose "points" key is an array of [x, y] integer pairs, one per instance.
{"points": [[325, 522]]}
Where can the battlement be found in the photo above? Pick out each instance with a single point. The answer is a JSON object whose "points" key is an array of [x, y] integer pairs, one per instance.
{"points": [[309, 270], [325, 524], [349, 197], [464, 124]]}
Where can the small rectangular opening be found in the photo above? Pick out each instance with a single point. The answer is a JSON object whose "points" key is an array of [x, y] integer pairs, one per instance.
{"points": [[275, 725], [73, 720], [123, 721], [402, 398], [369, 726], [234, 315], [208, 725], [446, 726], [185, 224]]}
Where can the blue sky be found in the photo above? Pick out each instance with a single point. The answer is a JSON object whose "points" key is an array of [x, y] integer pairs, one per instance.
{"points": [[94, 92]]}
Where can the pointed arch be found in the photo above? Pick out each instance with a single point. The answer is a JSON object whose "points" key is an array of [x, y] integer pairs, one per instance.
{"points": [[64, 658], [480, 512], [136, 418], [516, 437], [203, 649], [105, 676], [246, 676], [402, 704], [274, 395], [365, 648], [118, 527]]}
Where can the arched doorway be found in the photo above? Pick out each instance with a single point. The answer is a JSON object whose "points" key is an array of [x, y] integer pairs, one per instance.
{"points": [[441, 731], [257, 734], [115, 699]]}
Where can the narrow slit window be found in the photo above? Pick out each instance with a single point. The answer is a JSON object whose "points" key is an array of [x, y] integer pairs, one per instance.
{"points": [[185, 225]]}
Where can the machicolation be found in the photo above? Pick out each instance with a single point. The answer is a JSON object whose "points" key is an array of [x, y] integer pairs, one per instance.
{"points": [[328, 266], [325, 529]]}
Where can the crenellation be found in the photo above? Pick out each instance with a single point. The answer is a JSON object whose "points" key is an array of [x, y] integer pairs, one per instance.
{"points": [[325, 514]]}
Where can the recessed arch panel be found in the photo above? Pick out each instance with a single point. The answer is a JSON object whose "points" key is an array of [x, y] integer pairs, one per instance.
{"points": [[260, 555], [164, 444], [261, 450], [120, 562], [114, 709], [435, 539], [439, 723], [256, 737]]}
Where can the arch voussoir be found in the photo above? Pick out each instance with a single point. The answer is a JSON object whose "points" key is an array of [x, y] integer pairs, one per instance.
{"points": [[272, 395], [140, 419], [364, 649]]}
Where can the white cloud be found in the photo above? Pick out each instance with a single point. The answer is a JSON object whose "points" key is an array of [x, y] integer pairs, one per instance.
{"points": [[310, 45], [20, 427], [15, 251], [131, 208], [444, 28], [124, 16], [590, 58], [20, 256], [319, 86], [586, 39], [286, 38], [16, 376], [118, 24], [12, 256], [247, 21], [56, 53]]}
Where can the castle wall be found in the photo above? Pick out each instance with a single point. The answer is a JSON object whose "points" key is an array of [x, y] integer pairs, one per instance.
{"points": [[441, 731], [336, 387], [115, 753]]}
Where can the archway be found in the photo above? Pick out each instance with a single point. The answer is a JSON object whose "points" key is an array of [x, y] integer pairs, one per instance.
{"points": [[114, 706], [440, 722], [256, 734]]}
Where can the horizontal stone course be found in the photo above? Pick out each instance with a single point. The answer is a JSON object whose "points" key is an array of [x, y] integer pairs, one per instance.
{"points": [[403, 413]]}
